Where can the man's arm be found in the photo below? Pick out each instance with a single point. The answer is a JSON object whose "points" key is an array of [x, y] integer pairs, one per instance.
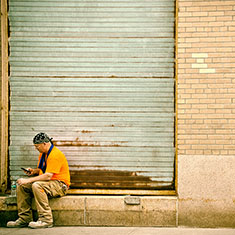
{"points": [[43, 177]]}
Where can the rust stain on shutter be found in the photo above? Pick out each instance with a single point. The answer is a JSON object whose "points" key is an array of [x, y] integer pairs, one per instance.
{"points": [[99, 177], [78, 143], [107, 179]]}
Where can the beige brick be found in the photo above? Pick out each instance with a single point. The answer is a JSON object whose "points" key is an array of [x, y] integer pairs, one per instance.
{"points": [[208, 19], [181, 152], [207, 70], [208, 9], [201, 147], [200, 106], [191, 29], [224, 18], [199, 66], [200, 60], [200, 13], [208, 142], [185, 14], [199, 55], [193, 9], [183, 4], [207, 101], [192, 19], [216, 13], [224, 8], [192, 142]]}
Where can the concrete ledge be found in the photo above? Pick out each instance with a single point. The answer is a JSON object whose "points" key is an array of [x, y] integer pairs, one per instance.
{"points": [[114, 211], [106, 210]]}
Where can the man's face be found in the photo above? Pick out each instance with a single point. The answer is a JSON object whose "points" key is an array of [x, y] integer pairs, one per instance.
{"points": [[40, 147]]}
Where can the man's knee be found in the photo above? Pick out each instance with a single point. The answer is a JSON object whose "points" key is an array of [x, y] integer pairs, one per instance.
{"points": [[41, 187], [19, 188], [36, 186], [24, 188]]}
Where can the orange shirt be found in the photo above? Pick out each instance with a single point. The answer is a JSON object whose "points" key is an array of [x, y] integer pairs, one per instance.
{"points": [[58, 165]]}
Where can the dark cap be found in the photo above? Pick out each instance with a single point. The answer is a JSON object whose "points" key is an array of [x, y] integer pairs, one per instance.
{"points": [[41, 138]]}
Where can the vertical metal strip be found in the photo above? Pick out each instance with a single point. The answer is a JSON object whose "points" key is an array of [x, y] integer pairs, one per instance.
{"points": [[176, 95], [4, 100]]}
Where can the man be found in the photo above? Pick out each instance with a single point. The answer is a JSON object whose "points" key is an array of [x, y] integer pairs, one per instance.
{"points": [[51, 178]]}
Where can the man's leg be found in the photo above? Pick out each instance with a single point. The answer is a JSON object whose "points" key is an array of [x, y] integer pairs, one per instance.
{"points": [[42, 190], [24, 204]]}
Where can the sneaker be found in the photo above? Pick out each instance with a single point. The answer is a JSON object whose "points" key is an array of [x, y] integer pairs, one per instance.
{"points": [[17, 224], [40, 224]]}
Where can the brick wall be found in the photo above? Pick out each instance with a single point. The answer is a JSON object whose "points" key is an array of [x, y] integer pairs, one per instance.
{"points": [[206, 77]]}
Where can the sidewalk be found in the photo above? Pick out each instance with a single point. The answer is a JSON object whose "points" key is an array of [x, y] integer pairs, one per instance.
{"points": [[117, 231]]}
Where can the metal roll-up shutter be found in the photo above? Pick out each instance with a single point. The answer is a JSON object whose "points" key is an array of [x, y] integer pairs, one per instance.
{"points": [[98, 77]]}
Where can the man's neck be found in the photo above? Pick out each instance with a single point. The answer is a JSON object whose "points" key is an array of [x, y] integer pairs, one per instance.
{"points": [[48, 147]]}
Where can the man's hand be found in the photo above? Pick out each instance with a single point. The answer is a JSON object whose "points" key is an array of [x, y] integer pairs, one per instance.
{"points": [[22, 181], [31, 172], [28, 171]]}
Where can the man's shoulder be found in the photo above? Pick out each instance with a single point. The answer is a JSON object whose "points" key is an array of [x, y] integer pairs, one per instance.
{"points": [[57, 152]]}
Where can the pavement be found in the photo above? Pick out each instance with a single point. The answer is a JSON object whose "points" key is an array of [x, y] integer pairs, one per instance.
{"points": [[117, 231]]}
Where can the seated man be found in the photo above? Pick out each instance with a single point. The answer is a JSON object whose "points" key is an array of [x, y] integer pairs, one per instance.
{"points": [[50, 178]]}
